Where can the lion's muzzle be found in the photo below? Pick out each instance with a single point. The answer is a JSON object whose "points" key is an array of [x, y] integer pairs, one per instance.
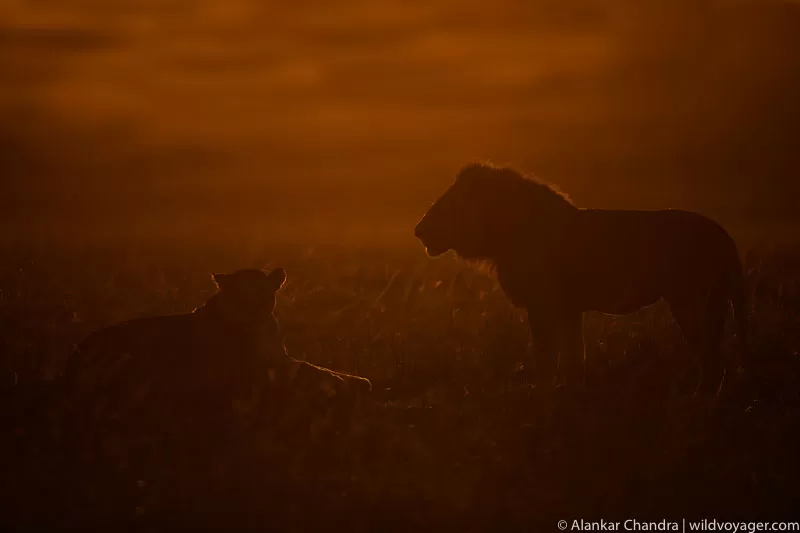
{"points": [[423, 233]]}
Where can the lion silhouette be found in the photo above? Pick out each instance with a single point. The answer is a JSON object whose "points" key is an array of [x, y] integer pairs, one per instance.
{"points": [[224, 359], [557, 261], [198, 361]]}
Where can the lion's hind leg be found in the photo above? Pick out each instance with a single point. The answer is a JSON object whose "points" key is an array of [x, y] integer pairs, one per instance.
{"points": [[702, 322]]}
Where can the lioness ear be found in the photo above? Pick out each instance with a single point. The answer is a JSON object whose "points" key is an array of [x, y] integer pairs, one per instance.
{"points": [[276, 279], [221, 280]]}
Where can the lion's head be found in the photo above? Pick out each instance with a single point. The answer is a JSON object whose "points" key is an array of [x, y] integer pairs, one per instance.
{"points": [[485, 210], [248, 295]]}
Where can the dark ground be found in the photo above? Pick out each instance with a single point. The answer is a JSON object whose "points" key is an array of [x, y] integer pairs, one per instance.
{"points": [[452, 440]]}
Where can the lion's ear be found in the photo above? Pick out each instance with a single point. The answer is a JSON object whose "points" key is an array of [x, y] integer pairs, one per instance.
{"points": [[276, 279], [474, 169]]}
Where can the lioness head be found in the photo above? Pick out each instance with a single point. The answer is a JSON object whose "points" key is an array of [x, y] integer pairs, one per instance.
{"points": [[249, 295]]}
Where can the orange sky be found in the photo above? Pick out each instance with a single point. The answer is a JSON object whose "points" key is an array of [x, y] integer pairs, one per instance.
{"points": [[682, 103]]}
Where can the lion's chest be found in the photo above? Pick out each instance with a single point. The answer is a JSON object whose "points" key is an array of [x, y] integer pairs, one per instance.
{"points": [[580, 284], [530, 284]]}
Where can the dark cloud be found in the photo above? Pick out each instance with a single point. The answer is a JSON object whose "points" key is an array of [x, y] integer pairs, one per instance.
{"points": [[54, 40], [665, 103]]}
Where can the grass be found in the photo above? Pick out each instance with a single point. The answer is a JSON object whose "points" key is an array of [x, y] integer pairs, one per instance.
{"points": [[451, 441]]}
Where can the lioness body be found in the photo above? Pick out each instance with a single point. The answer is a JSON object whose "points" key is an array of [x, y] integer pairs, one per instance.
{"points": [[225, 358], [197, 362], [558, 261], [187, 356]]}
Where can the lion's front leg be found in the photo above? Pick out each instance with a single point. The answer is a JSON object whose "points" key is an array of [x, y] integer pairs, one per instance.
{"points": [[573, 351], [543, 351]]}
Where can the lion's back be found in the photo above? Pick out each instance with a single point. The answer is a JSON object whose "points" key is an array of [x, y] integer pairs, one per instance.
{"points": [[617, 261], [672, 238], [645, 255]]}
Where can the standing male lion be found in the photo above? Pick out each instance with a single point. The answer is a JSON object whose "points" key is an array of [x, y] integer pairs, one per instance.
{"points": [[557, 260]]}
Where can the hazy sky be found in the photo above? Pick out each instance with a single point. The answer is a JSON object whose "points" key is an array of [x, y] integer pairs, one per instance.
{"points": [[657, 103]]}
